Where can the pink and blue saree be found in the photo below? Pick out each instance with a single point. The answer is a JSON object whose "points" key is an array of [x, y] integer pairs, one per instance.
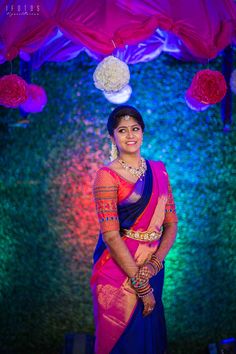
{"points": [[142, 206]]}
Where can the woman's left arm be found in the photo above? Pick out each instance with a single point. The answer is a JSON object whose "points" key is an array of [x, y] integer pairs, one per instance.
{"points": [[154, 265], [167, 240], [169, 226]]}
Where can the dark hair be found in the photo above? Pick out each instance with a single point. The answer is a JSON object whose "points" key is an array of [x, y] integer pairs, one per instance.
{"points": [[118, 113]]}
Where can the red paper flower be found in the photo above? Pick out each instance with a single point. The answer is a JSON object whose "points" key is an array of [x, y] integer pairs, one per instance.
{"points": [[208, 87], [13, 91], [36, 100]]}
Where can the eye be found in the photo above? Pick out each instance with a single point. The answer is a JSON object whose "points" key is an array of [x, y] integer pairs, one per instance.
{"points": [[121, 130], [136, 128]]}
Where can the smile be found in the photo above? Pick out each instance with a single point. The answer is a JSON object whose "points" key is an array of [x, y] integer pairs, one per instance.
{"points": [[131, 142]]}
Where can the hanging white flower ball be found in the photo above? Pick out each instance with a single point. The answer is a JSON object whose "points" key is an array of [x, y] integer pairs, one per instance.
{"points": [[119, 97], [233, 81], [111, 74]]}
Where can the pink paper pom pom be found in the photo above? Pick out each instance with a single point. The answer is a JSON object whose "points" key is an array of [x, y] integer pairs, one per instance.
{"points": [[13, 91], [208, 86], [36, 100]]}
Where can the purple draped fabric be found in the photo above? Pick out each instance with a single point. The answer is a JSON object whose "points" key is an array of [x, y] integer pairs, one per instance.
{"points": [[134, 30]]}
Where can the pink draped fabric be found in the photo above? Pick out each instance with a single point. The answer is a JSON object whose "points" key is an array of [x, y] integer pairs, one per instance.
{"points": [[138, 30], [114, 299]]}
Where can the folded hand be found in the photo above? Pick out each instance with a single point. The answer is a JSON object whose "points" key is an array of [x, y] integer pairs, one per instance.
{"points": [[149, 304]]}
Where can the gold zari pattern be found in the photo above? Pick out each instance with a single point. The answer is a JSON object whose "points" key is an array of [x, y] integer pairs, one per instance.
{"points": [[142, 235]]}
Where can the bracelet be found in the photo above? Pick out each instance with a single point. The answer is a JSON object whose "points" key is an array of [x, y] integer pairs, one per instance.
{"points": [[142, 288], [142, 296], [145, 272], [138, 282], [153, 267], [156, 262], [140, 285]]}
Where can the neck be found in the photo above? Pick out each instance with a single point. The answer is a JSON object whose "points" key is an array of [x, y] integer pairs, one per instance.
{"points": [[131, 159]]}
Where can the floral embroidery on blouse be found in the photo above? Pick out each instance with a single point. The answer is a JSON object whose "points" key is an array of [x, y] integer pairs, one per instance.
{"points": [[170, 210], [105, 194]]}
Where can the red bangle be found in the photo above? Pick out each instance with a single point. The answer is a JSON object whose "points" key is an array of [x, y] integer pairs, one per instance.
{"points": [[156, 261]]}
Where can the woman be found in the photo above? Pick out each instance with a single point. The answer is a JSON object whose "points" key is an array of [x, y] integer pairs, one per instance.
{"points": [[138, 226]]}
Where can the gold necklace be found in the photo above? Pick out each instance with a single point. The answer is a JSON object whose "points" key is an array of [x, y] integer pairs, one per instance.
{"points": [[138, 172]]}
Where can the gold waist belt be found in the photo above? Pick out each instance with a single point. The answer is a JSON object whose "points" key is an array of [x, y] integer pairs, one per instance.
{"points": [[142, 235]]}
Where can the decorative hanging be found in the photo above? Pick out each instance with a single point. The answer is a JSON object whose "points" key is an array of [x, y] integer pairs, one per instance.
{"points": [[233, 81], [36, 100], [119, 97], [208, 87], [111, 75], [194, 104], [13, 91]]}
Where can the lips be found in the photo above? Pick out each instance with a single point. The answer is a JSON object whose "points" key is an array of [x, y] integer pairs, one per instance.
{"points": [[131, 142]]}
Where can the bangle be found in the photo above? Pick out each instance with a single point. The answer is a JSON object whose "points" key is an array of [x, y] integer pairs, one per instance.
{"points": [[145, 272], [142, 288], [138, 282], [156, 262], [141, 284], [149, 292], [154, 268]]}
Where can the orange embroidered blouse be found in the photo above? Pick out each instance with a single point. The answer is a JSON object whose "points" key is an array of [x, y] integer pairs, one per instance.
{"points": [[109, 188]]}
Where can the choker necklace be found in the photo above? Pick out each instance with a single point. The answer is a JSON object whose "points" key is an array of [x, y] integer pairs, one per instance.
{"points": [[138, 172]]}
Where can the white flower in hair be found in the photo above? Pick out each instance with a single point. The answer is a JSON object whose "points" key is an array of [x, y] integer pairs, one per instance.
{"points": [[111, 74]]}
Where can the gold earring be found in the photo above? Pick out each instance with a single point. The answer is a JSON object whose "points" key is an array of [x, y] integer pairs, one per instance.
{"points": [[114, 152]]}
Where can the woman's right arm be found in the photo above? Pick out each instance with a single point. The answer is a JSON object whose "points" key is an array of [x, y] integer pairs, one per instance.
{"points": [[105, 193]]}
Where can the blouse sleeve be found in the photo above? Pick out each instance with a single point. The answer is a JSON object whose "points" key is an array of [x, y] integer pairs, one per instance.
{"points": [[105, 189], [170, 211]]}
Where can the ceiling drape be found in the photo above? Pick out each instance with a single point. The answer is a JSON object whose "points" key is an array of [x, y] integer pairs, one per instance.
{"points": [[133, 30]]}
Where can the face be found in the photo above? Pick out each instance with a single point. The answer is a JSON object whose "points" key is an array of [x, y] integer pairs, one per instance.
{"points": [[128, 136]]}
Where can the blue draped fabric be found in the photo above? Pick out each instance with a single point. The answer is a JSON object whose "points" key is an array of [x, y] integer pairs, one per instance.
{"points": [[145, 335], [128, 213]]}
